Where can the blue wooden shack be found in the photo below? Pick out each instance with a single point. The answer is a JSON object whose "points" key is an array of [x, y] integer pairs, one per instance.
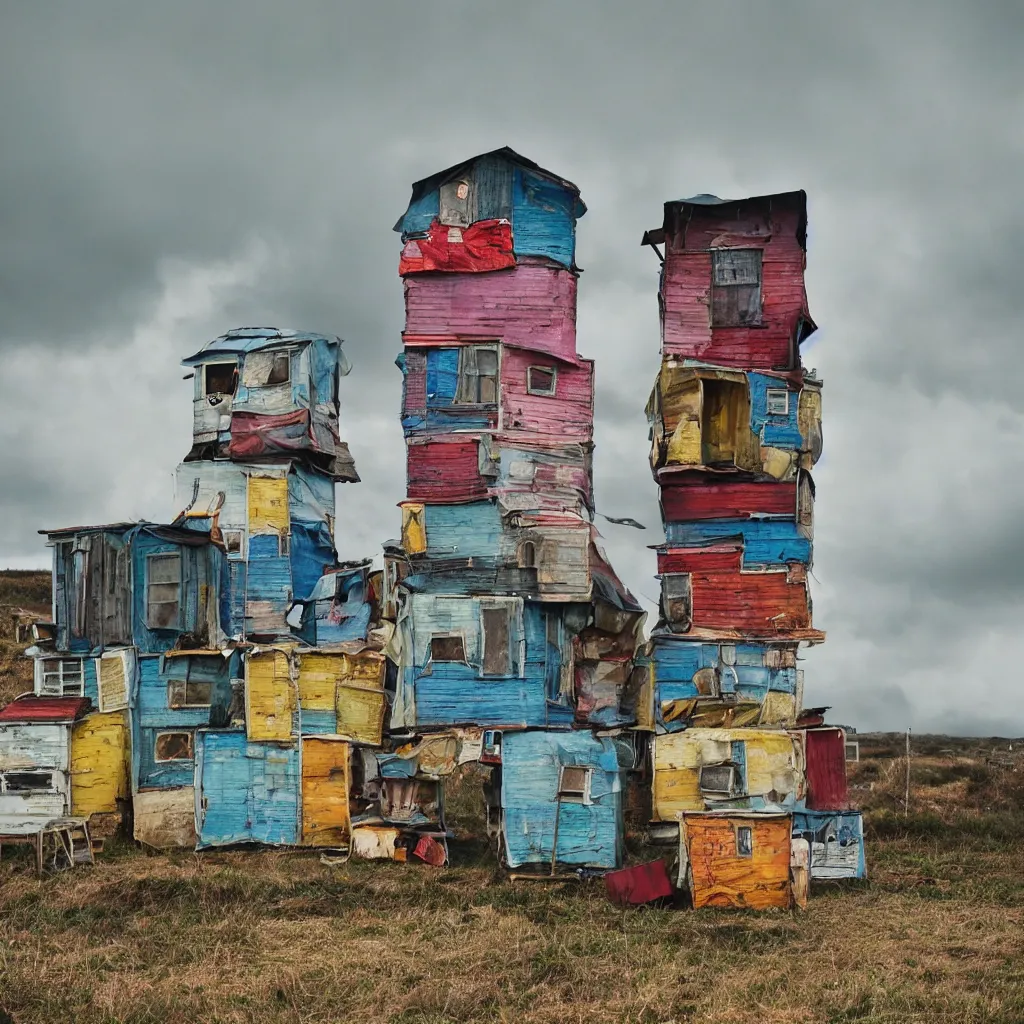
{"points": [[561, 798]]}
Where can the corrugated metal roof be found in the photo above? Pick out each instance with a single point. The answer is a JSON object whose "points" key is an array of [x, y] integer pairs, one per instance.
{"points": [[45, 709], [252, 339]]}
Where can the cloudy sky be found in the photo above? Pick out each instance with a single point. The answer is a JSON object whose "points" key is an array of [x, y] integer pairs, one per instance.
{"points": [[168, 171]]}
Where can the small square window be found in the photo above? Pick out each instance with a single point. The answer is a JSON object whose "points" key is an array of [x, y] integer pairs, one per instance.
{"points": [[778, 401], [477, 376], [448, 648], [219, 379], [541, 380], [173, 746], [852, 748], [280, 369], [189, 693], [574, 784], [718, 780], [744, 841], [233, 543], [61, 677]]}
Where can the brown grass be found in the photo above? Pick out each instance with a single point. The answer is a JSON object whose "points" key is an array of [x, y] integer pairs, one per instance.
{"points": [[18, 589]]}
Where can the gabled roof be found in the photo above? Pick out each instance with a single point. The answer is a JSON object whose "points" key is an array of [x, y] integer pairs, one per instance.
{"points": [[252, 339], [45, 709], [424, 185]]}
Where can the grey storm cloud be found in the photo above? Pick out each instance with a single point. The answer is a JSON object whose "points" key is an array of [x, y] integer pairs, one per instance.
{"points": [[170, 171]]}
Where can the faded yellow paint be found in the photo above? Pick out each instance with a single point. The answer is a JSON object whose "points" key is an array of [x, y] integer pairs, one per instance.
{"points": [[778, 462], [318, 680], [778, 708], [681, 408], [808, 416], [774, 766], [414, 529], [268, 505], [360, 713], [711, 714], [325, 792], [165, 818], [112, 682], [269, 696], [722, 877], [645, 698], [100, 758]]}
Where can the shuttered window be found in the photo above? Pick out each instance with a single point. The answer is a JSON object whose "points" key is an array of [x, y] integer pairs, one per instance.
{"points": [[736, 291], [163, 591], [478, 375]]}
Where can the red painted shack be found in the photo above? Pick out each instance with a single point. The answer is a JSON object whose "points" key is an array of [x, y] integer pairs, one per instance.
{"points": [[732, 290]]}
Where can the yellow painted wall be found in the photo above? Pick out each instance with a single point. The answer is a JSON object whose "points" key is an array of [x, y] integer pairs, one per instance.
{"points": [[414, 531], [773, 757], [269, 697], [325, 792], [99, 763], [268, 504]]}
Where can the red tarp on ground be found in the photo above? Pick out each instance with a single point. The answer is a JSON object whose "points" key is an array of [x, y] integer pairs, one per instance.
{"points": [[639, 884]]}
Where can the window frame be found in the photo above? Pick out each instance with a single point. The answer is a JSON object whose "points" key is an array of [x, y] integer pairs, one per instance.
{"points": [[240, 553], [185, 702], [574, 795], [41, 688], [284, 544], [150, 583], [745, 850], [533, 389], [723, 794], [51, 788], [771, 394], [174, 732], [205, 382], [719, 258], [448, 661], [464, 374], [508, 612], [683, 624]]}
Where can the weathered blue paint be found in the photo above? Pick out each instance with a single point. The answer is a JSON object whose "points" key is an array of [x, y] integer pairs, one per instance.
{"points": [[201, 564], [773, 429], [249, 792], [589, 833], [338, 608], [232, 600], [543, 218], [90, 686], [421, 214], [676, 662], [450, 693], [472, 530], [837, 842], [312, 551], [269, 576], [441, 385], [765, 541], [319, 723]]}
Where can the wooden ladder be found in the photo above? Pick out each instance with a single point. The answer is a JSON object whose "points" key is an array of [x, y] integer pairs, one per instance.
{"points": [[63, 843]]}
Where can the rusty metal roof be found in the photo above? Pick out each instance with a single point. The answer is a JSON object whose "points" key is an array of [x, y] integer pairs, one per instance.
{"points": [[45, 709]]}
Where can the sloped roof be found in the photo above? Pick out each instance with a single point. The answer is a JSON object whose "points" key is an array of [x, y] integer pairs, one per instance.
{"points": [[45, 709], [252, 339]]}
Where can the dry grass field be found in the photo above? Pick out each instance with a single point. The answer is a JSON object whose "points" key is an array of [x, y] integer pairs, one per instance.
{"points": [[935, 935]]}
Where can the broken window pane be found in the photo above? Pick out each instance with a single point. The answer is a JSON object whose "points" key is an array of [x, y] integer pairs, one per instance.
{"points": [[496, 628], [163, 591], [173, 746], [676, 599], [61, 677], [540, 380], [744, 841], [264, 369], [736, 292], [233, 542], [189, 693], [447, 648], [20, 782], [219, 379]]}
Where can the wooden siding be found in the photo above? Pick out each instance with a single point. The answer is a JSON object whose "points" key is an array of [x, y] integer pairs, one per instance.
{"points": [[445, 471], [566, 416], [688, 499], [99, 764], [325, 792], [826, 769]]}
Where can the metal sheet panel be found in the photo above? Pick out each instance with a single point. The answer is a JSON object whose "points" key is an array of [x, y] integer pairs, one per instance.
{"points": [[826, 769], [702, 499], [765, 541], [543, 217], [836, 841]]}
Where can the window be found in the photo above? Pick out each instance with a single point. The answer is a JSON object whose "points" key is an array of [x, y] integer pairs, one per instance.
{"points": [[497, 627], [265, 369], [574, 784], [736, 295], [718, 780], [219, 378], [163, 591], [233, 543], [852, 748], [478, 375], [284, 544], [540, 380], [173, 746], [527, 556], [455, 205], [448, 647], [676, 599], [744, 841], [61, 677], [189, 693], [778, 401], [26, 782]]}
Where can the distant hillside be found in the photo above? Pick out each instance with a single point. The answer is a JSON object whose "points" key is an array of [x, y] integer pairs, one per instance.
{"points": [[19, 588]]}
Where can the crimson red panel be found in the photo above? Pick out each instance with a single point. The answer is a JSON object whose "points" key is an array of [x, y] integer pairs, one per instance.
{"points": [[445, 471], [826, 770], [734, 500], [485, 245], [45, 709]]}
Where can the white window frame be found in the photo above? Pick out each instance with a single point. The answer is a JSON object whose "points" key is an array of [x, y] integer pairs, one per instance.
{"points": [[54, 786], [574, 796], [206, 393], [779, 396], [42, 673], [240, 553], [150, 583], [531, 389]]}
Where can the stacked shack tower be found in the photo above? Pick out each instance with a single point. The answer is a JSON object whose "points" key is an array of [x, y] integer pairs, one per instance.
{"points": [[512, 626], [736, 429]]}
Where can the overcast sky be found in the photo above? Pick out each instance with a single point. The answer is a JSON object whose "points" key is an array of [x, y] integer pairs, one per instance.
{"points": [[169, 171]]}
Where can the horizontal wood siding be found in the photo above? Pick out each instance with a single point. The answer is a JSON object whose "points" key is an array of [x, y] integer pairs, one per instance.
{"points": [[701, 499]]}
